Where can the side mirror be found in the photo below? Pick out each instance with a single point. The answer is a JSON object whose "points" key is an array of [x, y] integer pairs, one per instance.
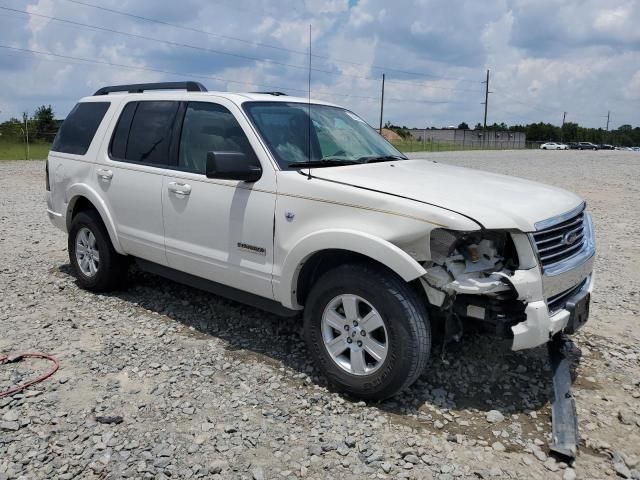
{"points": [[232, 166]]}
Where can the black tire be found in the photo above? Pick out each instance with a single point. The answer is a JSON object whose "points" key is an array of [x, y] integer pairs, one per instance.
{"points": [[405, 319], [112, 267]]}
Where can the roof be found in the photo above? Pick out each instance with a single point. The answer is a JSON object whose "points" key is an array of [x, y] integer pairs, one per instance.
{"points": [[236, 97]]}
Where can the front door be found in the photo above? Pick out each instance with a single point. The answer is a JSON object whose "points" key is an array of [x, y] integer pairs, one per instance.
{"points": [[221, 230]]}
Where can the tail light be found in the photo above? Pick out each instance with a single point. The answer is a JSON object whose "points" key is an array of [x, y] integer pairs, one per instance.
{"points": [[46, 174]]}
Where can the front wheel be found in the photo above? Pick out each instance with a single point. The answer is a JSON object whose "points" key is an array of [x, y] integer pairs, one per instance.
{"points": [[367, 331]]}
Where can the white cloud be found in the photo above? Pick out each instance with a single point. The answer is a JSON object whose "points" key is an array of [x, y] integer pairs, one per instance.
{"points": [[545, 56]]}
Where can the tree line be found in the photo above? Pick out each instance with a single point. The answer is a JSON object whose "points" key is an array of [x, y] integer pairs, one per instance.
{"points": [[40, 127], [625, 135]]}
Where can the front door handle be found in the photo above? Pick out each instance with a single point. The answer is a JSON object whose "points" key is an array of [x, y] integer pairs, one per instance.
{"points": [[179, 188], [105, 174]]}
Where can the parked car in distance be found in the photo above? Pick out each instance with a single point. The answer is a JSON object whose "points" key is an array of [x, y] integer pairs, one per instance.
{"points": [[587, 146], [606, 146], [573, 145], [553, 146], [302, 209]]}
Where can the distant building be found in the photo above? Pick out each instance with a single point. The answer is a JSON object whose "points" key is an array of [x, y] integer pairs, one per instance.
{"points": [[470, 138]]}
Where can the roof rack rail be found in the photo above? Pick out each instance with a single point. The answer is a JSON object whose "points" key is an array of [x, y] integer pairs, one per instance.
{"points": [[275, 94], [141, 87]]}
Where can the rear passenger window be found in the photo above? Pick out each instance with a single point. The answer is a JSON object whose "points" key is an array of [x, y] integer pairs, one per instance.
{"points": [[209, 127], [121, 134], [79, 128], [143, 133]]}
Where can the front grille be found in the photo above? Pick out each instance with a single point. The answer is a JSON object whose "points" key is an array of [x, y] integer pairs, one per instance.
{"points": [[560, 241], [558, 302]]}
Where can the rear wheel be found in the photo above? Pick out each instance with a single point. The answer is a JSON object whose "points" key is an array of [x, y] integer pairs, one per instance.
{"points": [[96, 264], [367, 331]]}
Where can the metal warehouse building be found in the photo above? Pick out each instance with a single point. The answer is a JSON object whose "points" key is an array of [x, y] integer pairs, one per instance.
{"points": [[470, 138]]}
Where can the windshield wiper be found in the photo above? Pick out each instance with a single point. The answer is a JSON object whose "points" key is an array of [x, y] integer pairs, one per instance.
{"points": [[380, 158], [325, 162]]}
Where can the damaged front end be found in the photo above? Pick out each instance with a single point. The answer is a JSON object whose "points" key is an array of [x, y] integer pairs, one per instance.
{"points": [[469, 277], [530, 287], [524, 286]]}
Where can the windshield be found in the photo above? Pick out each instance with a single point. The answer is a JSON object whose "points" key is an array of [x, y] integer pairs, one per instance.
{"points": [[338, 137]]}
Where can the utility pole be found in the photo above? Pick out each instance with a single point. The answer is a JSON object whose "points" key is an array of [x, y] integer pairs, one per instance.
{"points": [[382, 104], [26, 135], [608, 116], [564, 117], [486, 99]]}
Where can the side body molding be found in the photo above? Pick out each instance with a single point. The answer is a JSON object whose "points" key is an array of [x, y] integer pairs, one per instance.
{"points": [[341, 239], [77, 190]]}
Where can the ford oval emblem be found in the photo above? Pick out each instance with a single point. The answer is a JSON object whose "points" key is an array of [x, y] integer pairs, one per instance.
{"points": [[569, 238]]}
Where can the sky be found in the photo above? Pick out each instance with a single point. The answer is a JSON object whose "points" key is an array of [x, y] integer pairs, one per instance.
{"points": [[545, 57]]}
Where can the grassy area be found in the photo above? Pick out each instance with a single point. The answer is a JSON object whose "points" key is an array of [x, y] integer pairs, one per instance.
{"points": [[16, 151], [39, 151]]}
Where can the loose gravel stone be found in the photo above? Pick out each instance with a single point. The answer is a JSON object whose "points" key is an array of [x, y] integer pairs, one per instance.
{"points": [[494, 416]]}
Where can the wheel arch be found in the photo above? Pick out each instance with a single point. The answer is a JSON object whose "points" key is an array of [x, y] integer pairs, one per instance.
{"points": [[319, 252], [82, 198]]}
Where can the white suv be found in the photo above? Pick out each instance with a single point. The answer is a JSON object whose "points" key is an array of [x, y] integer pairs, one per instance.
{"points": [[290, 205]]}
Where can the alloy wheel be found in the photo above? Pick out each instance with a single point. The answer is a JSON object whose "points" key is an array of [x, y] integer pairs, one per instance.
{"points": [[87, 254], [354, 334]]}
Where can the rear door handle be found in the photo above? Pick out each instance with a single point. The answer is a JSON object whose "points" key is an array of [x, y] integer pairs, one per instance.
{"points": [[179, 188], [105, 174]]}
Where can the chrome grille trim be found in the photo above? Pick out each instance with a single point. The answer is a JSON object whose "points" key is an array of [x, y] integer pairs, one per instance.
{"points": [[550, 222], [564, 267], [552, 244]]}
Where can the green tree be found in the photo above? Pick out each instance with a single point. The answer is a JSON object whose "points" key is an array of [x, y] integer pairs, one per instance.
{"points": [[463, 126], [44, 124]]}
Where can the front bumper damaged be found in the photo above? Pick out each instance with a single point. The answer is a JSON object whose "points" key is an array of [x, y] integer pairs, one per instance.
{"points": [[529, 305], [541, 324]]}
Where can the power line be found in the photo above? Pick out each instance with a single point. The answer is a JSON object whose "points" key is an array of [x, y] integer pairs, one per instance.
{"points": [[155, 70], [143, 37], [219, 79], [216, 51], [264, 45], [189, 29]]}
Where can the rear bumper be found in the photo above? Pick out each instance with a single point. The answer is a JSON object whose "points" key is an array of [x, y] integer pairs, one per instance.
{"points": [[56, 218]]}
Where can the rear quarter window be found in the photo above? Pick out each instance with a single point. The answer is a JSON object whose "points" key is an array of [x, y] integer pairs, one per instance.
{"points": [[80, 126]]}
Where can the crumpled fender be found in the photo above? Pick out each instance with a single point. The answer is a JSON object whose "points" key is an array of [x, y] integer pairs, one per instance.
{"points": [[342, 239], [77, 190]]}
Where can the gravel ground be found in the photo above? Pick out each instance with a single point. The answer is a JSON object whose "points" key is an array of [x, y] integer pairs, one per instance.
{"points": [[164, 381]]}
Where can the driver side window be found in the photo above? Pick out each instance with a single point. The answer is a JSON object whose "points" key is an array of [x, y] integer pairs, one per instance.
{"points": [[210, 127]]}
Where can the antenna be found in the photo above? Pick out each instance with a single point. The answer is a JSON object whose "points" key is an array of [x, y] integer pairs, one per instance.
{"points": [[309, 111]]}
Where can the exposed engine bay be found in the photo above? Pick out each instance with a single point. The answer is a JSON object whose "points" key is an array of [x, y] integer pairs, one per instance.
{"points": [[468, 277]]}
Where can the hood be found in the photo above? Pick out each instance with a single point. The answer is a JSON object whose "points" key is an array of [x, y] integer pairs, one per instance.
{"points": [[495, 201]]}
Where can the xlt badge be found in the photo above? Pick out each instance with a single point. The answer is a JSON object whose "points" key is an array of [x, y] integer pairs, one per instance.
{"points": [[252, 248]]}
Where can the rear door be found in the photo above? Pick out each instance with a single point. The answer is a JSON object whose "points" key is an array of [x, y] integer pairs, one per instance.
{"points": [[221, 230], [132, 175]]}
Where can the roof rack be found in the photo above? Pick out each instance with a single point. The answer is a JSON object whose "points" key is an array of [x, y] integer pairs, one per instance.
{"points": [[275, 94], [141, 87]]}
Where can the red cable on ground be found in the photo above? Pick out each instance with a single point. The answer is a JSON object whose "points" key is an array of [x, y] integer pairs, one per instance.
{"points": [[4, 359]]}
